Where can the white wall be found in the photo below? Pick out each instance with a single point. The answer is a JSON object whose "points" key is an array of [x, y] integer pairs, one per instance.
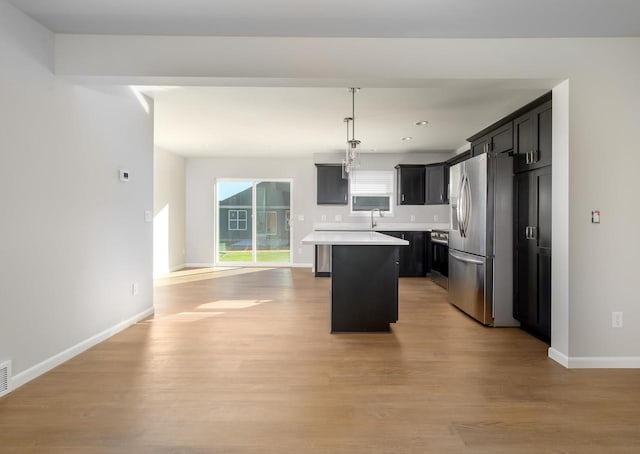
{"points": [[72, 236], [168, 211], [603, 104], [201, 220]]}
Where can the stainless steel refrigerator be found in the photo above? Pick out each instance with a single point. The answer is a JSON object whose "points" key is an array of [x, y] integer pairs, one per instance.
{"points": [[481, 238]]}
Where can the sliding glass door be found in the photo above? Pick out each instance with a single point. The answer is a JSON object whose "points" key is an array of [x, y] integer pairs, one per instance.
{"points": [[253, 222]]}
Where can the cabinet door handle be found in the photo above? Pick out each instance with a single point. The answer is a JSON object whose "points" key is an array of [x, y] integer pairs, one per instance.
{"points": [[402, 235], [441, 197], [530, 232], [402, 198], [345, 197], [535, 156]]}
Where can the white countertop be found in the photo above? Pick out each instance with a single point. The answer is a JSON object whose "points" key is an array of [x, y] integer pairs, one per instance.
{"points": [[381, 226], [367, 238]]}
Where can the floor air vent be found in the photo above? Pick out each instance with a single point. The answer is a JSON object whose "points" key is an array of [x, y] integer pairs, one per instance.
{"points": [[5, 376]]}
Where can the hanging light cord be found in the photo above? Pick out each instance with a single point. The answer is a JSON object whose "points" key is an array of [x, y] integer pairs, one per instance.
{"points": [[353, 114]]}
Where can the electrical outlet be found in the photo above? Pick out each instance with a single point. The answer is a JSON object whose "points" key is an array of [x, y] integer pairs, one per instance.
{"points": [[301, 217], [413, 218], [323, 217], [616, 319], [148, 216], [338, 217], [135, 289], [435, 218]]}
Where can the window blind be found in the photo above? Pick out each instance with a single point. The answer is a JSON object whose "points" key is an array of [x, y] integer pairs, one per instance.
{"points": [[371, 182]]}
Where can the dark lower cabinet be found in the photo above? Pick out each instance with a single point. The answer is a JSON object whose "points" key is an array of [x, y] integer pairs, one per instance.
{"points": [[364, 288], [414, 260], [532, 264], [332, 189]]}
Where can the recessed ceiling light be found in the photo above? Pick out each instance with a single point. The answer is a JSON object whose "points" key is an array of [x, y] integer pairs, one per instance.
{"points": [[422, 123], [407, 138]]}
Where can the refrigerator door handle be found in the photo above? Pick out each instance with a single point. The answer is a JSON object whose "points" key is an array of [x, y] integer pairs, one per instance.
{"points": [[459, 207], [467, 204], [465, 259]]}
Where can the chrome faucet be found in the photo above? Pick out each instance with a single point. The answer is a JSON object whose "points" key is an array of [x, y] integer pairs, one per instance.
{"points": [[380, 212]]}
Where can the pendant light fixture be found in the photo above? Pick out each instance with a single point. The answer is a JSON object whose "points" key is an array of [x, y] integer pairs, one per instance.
{"points": [[352, 152]]}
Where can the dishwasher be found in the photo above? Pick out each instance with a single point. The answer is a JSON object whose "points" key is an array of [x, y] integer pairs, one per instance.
{"points": [[323, 260]]}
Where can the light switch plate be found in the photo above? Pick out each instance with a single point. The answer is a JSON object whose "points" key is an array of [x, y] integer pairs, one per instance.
{"points": [[301, 217], [595, 217], [148, 216]]}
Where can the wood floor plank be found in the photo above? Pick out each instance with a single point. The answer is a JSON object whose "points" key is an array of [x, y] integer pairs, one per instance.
{"points": [[241, 361]]}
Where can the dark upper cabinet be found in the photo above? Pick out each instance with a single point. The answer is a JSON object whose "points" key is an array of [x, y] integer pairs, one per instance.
{"points": [[411, 184], [332, 188], [413, 258], [437, 185], [532, 139], [499, 140], [532, 272]]}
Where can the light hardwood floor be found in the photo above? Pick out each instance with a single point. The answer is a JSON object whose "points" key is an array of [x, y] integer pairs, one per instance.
{"points": [[241, 361]]}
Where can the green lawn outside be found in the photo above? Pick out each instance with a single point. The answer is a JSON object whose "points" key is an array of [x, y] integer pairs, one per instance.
{"points": [[261, 256]]}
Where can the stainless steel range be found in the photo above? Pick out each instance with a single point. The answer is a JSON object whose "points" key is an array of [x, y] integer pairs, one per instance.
{"points": [[440, 257]]}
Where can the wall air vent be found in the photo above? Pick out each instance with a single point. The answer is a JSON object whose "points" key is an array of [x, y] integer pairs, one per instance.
{"points": [[5, 377]]}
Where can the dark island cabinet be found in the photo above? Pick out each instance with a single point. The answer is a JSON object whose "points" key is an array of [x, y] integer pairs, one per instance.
{"points": [[499, 140], [532, 283], [411, 184], [532, 139], [413, 258], [437, 185], [364, 288], [332, 189]]}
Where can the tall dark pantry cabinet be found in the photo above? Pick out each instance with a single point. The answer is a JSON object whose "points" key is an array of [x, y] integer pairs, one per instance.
{"points": [[532, 220]]}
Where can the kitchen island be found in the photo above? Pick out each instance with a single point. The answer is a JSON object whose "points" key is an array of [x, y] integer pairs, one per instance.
{"points": [[364, 279]]}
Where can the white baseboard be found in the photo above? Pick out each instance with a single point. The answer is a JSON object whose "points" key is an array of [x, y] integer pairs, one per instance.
{"points": [[558, 357], [302, 265], [169, 271], [199, 265], [595, 362], [48, 364]]}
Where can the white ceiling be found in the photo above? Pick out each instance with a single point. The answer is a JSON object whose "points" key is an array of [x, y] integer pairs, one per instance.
{"points": [[341, 18], [281, 121], [285, 121]]}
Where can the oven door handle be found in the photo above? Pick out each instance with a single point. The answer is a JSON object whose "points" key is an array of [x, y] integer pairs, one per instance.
{"points": [[443, 242]]}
